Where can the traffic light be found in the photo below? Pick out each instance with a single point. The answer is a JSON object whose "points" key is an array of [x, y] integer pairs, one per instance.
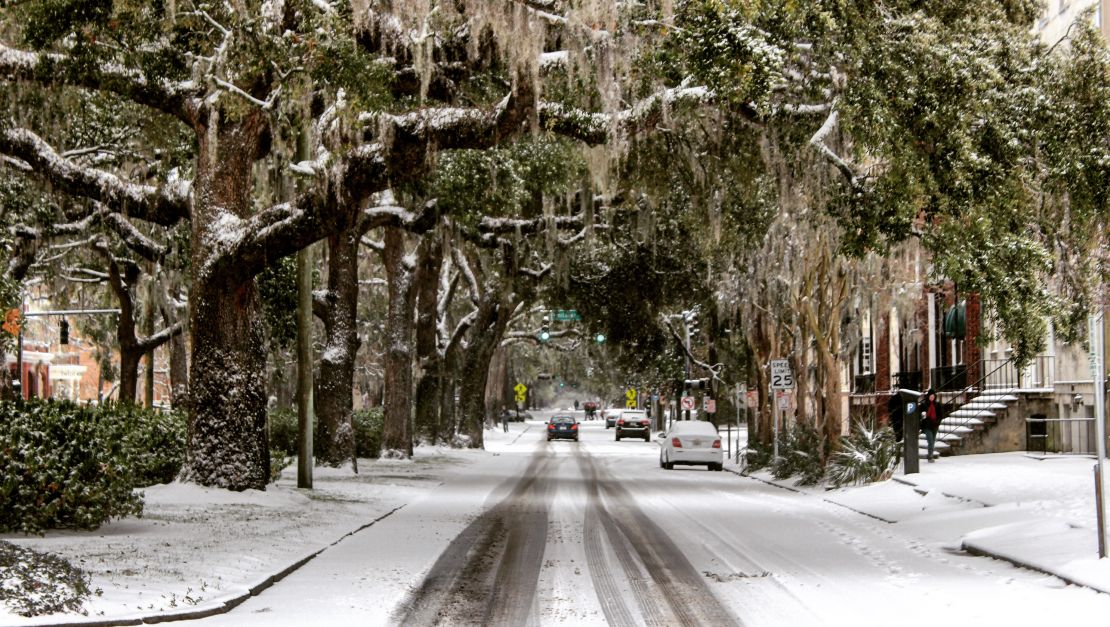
{"points": [[65, 332], [600, 338], [545, 329]]}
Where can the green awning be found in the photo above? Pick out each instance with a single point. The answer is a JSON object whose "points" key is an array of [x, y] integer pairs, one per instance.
{"points": [[955, 321]]}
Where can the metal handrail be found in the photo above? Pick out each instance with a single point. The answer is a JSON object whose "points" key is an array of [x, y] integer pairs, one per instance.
{"points": [[977, 387]]}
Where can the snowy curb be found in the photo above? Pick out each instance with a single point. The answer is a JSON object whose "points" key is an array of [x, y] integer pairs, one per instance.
{"points": [[227, 603], [922, 490], [977, 550], [798, 491]]}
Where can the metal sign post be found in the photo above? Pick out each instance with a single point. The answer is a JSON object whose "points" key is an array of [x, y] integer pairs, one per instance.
{"points": [[1097, 341], [782, 379]]}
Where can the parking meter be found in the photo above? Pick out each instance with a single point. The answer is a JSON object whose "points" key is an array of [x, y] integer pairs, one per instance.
{"points": [[911, 427]]}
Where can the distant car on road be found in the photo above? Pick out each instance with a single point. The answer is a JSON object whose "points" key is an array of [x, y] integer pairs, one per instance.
{"points": [[633, 422], [691, 443], [611, 416], [521, 416], [562, 426]]}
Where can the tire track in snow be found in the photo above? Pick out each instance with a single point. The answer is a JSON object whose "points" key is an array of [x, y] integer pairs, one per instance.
{"points": [[640, 545], [488, 573]]}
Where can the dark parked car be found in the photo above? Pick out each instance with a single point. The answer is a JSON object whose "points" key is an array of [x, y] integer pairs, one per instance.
{"points": [[565, 427], [634, 423]]}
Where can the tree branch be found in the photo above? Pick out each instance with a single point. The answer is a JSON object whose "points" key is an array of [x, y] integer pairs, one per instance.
{"points": [[165, 206]]}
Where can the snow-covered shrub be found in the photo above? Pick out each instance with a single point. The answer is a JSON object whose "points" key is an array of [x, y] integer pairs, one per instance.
{"points": [[34, 584], [62, 466], [758, 456], [282, 424], [368, 432], [279, 460], [800, 455], [154, 441], [866, 455]]}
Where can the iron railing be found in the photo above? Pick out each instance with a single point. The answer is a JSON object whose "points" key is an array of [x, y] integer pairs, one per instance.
{"points": [[1066, 436], [1000, 373]]}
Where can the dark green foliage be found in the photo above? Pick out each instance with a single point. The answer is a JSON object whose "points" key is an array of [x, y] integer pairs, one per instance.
{"points": [[283, 430], [283, 433], [154, 441], [65, 466], [758, 456], [277, 287], [36, 584], [279, 460], [801, 454], [867, 455], [368, 432]]}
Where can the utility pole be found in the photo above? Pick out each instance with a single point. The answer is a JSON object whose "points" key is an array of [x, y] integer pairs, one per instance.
{"points": [[305, 408], [1097, 339]]}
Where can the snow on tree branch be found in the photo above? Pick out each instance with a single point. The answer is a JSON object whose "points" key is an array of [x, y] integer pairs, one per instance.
{"points": [[818, 142], [174, 98], [166, 205]]}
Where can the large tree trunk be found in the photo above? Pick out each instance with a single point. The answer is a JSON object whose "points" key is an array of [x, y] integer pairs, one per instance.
{"points": [[228, 445], [335, 386], [227, 441], [489, 327], [397, 431], [179, 364], [427, 399], [129, 358]]}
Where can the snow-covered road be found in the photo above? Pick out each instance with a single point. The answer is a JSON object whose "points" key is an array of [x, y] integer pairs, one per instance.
{"points": [[593, 533]]}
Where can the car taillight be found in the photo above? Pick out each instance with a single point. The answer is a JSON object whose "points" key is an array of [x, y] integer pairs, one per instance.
{"points": [[552, 427], [575, 426], [644, 423], [621, 421], [716, 444], [675, 442]]}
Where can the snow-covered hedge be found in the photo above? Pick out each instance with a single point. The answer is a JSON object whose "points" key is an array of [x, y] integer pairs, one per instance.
{"points": [[368, 425], [68, 466]]}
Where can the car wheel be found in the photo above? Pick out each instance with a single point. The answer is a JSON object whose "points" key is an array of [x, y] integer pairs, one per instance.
{"points": [[618, 436], [647, 437], [716, 467]]}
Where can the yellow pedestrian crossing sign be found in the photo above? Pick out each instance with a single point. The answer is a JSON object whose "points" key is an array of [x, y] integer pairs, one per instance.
{"points": [[630, 394], [520, 389]]}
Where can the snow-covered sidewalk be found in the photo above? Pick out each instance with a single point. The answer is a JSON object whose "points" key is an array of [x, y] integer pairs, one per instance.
{"points": [[1036, 513], [199, 551]]}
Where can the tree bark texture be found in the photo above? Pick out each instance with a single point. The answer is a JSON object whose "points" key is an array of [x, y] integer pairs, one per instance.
{"points": [[489, 327], [335, 438], [397, 437], [227, 441], [427, 421]]}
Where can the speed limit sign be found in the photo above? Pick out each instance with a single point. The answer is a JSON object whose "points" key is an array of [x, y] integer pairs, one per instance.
{"points": [[782, 378]]}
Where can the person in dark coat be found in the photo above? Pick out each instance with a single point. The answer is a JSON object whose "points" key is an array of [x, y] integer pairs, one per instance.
{"points": [[930, 419], [894, 415]]}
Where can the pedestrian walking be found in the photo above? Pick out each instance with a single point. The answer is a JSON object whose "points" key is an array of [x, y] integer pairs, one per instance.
{"points": [[930, 420], [505, 418]]}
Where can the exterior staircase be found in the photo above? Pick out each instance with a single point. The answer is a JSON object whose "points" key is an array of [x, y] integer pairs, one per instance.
{"points": [[976, 415]]}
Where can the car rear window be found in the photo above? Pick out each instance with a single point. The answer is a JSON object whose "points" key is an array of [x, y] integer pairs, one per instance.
{"points": [[634, 415], [562, 419], [693, 427]]}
